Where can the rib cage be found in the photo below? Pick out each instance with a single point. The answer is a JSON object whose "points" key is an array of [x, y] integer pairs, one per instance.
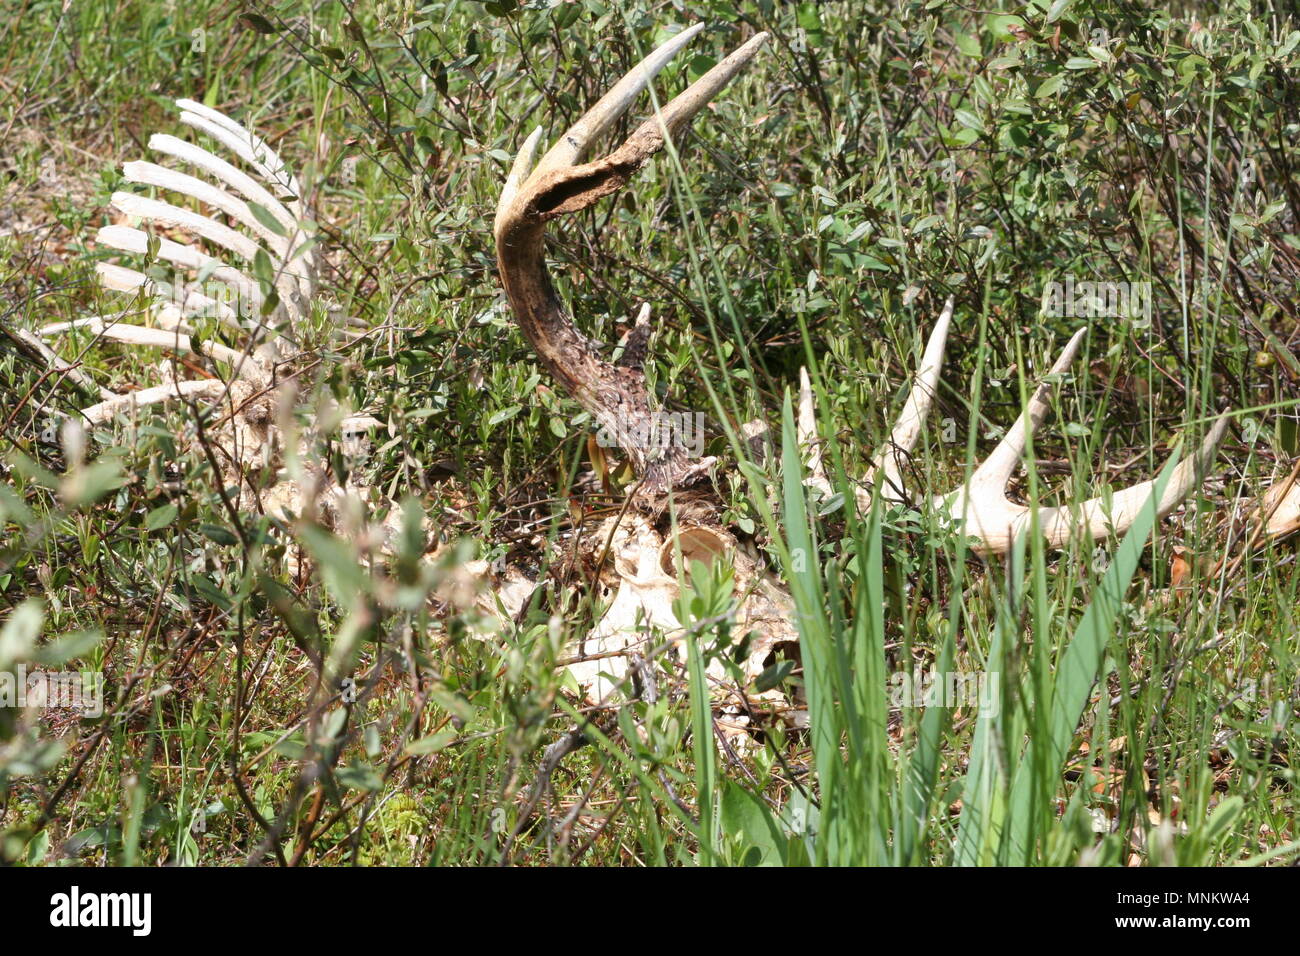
{"points": [[271, 220], [267, 222]]}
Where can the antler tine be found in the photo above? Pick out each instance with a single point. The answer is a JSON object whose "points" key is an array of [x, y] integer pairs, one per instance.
{"points": [[681, 109], [982, 504], [615, 395], [997, 522], [889, 462], [997, 468], [806, 435], [559, 185], [519, 172], [573, 145]]}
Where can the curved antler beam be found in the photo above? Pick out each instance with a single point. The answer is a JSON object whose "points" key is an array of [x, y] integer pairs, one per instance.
{"points": [[614, 393]]}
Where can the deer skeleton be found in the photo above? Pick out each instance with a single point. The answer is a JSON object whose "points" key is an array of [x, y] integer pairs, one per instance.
{"points": [[644, 562]]}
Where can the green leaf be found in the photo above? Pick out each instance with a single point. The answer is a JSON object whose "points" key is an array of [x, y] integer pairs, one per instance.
{"points": [[89, 483], [504, 414], [92, 837], [160, 517], [263, 271], [257, 23], [266, 218], [969, 120], [359, 776], [772, 676], [338, 562], [1057, 10], [1077, 672], [68, 647], [292, 747], [210, 592], [744, 816], [1223, 817], [431, 744], [1049, 86], [808, 17], [453, 703], [218, 534]]}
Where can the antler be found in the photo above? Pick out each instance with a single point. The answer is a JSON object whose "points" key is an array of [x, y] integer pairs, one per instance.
{"points": [[614, 393], [981, 505]]}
